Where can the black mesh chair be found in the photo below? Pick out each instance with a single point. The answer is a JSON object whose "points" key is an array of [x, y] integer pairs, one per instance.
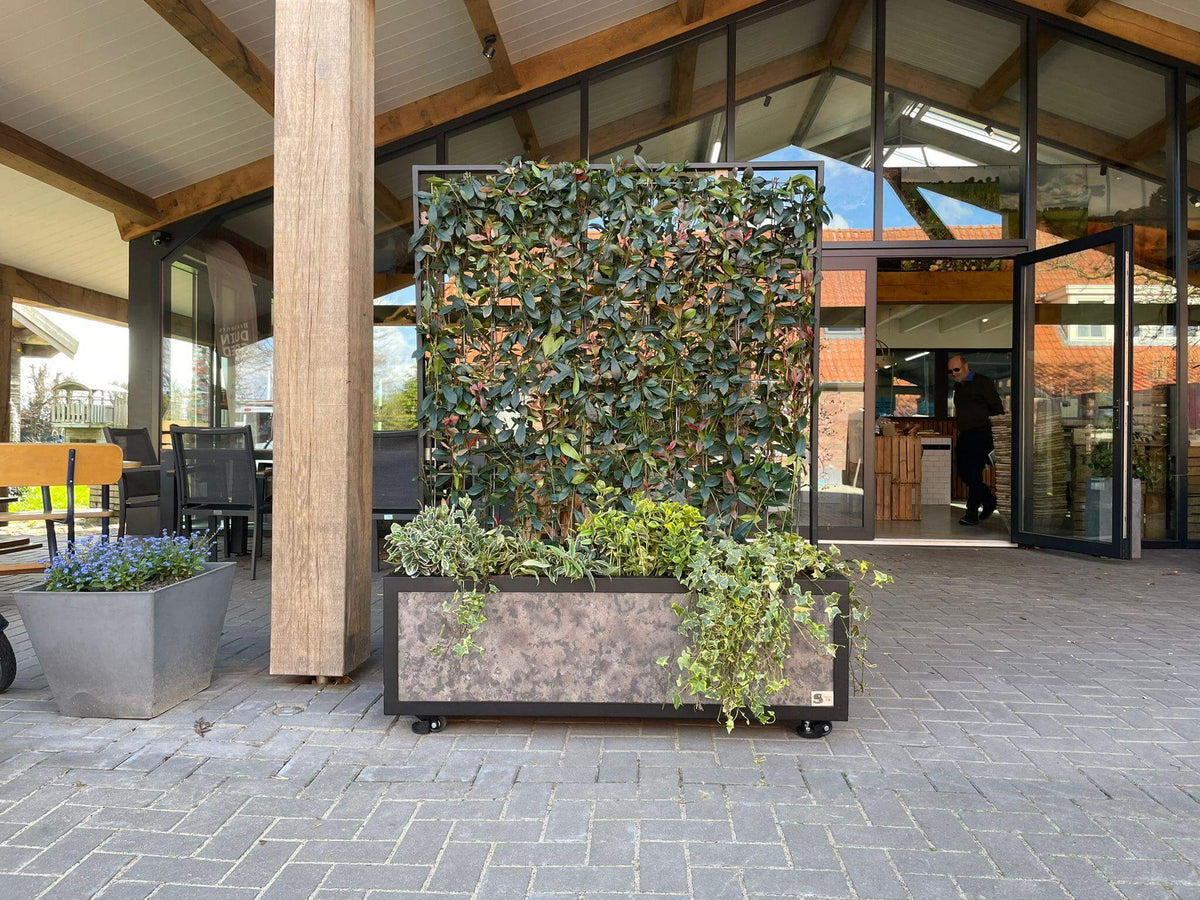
{"points": [[138, 488], [397, 490], [215, 477]]}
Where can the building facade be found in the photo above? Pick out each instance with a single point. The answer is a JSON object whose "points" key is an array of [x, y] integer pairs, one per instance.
{"points": [[957, 138]]}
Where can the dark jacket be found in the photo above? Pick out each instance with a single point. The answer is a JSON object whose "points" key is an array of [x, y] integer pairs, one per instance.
{"points": [[974, 401]]}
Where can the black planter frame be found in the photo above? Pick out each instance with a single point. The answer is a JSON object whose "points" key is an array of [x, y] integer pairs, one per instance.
{"points": [[394, 705]]}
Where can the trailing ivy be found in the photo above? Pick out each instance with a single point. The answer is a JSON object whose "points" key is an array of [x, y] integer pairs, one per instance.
{"points": [[648, 327], [748, 599]]}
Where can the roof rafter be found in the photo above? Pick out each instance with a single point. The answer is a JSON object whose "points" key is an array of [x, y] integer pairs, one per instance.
{"points": [[1009, 72], [641, 33], [1081, 7], [212, 37], [536, 72], [33, 158], [50, 293], [1154, 138], [837, 39], [484, 22], [683, 61]]}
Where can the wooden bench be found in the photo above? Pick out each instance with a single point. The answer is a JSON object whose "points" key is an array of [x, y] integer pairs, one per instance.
{"points": [[46, 465]]}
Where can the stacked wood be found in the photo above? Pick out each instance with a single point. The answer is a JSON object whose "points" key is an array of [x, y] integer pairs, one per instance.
{"points": [[1193, 482], [1002, 438], [898, 477], [883, 496], [1049, 477], [948, 427]]}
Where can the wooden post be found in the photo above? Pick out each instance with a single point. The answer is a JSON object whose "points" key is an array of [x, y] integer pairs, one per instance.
{"points": [[6, 355], [324, 214]]}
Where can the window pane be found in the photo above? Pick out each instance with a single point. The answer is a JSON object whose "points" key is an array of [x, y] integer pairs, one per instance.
{"points": [[951, 174], [546, 128], [792, 105], [1068, 463], [668, 109], [1101, 164], [218, 345], [394, 336], [841, 402]]}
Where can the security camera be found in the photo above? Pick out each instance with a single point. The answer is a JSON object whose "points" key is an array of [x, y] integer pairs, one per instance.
{"points": [[160, 237]]}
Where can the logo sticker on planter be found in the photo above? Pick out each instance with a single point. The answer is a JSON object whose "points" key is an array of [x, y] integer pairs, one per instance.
{"points": [[822, 698]]}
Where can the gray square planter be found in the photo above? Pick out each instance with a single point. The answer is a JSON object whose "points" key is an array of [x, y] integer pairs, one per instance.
{"points": [[571, 648], [128, 654]]}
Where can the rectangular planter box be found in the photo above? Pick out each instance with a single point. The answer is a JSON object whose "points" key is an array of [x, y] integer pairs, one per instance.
{"points": [[128, 654], [571, 649]]}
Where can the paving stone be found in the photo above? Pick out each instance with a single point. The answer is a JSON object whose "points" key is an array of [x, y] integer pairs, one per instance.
{"points": [[86, 879], [1022, 739], [663, 868], [459, 869]]}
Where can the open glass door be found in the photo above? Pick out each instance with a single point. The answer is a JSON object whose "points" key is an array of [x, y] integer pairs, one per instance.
{"points": [[844, 471], [1073, 343]]}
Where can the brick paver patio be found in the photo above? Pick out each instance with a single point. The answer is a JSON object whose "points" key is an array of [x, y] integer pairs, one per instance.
{"points": [[1032, 731]]}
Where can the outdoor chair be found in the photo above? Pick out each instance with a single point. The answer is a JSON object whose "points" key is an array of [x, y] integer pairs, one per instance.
{"points": [[50, 465], [139, 487], [397, 490], [215, 476]]}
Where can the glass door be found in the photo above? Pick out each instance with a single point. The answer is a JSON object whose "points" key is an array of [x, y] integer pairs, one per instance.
{"points": [[1073, 342], [844, 472]]}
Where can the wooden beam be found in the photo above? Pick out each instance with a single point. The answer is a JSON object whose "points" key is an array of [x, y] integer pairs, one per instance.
{"points": [[845, 20], [683, 80], [683, 61], [484, 22], [690, 11], [320, 580], [475, 95], [837, 39], [1010, 72], [579, 56], [6, 346], [705, 100], [956, 96], [944, 287], [1081, 7], [1154, 138], [816, 100], [1132, 25], [50, 293], [37, 160], [392, 207], [212, 37]]}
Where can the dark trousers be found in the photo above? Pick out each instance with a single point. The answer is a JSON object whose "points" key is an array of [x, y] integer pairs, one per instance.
{"points": [[971, 455]]}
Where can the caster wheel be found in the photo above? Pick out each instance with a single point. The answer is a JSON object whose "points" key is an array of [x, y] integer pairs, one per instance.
{"points": [[814, 730], [426, 725], [8, 663]]}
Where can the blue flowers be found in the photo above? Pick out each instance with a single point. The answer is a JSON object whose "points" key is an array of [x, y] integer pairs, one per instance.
{"points": [[127, 564]]}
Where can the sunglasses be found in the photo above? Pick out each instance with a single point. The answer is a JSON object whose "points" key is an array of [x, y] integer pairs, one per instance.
{"points": [[955, 369]]}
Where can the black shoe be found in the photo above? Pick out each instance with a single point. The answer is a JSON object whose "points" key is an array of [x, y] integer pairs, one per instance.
{"points": [[969, 519], [989, 507]]}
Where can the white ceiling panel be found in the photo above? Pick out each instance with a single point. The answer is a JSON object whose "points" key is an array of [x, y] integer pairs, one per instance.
{"points": [[111, 84], [45, 231], [1181, 12], [421, 46], [531, 27]]}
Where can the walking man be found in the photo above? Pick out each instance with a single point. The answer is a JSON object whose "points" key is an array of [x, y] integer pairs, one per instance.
{"points": [[975, 399]]}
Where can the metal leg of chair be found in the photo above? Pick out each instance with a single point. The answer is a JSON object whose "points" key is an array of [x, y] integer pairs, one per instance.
{"points": [[121, 514], [257, 549], [374, 545]]}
